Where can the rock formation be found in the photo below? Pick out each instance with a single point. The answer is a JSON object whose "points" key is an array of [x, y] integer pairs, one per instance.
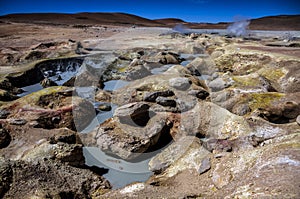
{"points": [[219, 115]]}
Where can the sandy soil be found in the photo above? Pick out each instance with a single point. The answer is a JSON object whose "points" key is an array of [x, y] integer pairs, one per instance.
{"points": [[21, 35]]}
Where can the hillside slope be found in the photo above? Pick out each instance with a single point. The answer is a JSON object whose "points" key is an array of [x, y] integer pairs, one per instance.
{"points": [[281, 22]]}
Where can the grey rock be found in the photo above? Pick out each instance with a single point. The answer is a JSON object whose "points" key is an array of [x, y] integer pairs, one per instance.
{"points": [[186, 104], [164, 101], [6, 175], [194, 36], [66, 136], [132, 109], [210, 120], [129, 140], [4, 113], [47, 178], [178, 70], [186, 153], [70, 82], [104, 107], [137, 72], [168, 58], [194, 71], [151, 96], [136, 62], [83, 114], [160, 108], [86, 79], [218, 84], [266, 84], [17, 121], [241, 109], [134, 114], [205, 166], [203, 66], [70, 154], [5, 137], [219, 145], [172, 153], [47, 83], [7, 96], [291, 109], [298, 119], [181, 83], [201, 94]]}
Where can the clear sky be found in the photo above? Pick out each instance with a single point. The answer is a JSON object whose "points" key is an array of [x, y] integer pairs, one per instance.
{"points": [[188, 10]]}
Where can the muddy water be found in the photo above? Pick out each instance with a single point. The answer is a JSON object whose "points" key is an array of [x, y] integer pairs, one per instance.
{"points": [[114, 84], [30, 89], [100, 118], [120, 173], [60, 75]]}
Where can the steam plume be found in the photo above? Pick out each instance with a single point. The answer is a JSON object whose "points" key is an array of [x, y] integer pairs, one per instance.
{"points": [[181, 29], [239, 27]]}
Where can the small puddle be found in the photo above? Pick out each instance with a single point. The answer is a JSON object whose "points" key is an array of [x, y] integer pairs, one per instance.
{"points": [[191, 56], [101, 117], [104, 115], [59, 76], [114, 85], [159, 70], [30, 89], [120, 172], [185, 63]]}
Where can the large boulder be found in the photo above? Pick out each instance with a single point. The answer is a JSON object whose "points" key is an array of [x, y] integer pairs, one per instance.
{"points": [[181, 83], [174, 152], [202, 66], [6, 175], [210, 120], [134, 129], [53, 107], [5, 137], [46, 179], [186, 153], [248, 172], [134, 113], [168, 58], [137, 72], [7, 96]]}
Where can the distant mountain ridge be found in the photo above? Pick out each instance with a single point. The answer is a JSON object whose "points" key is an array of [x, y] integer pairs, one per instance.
{"points": [[80, 19], [281, 22]]}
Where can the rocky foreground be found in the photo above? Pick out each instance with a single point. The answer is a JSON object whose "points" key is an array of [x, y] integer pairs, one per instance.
{"points": [[225, 110]]}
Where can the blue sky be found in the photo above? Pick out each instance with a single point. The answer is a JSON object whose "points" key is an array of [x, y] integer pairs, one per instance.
{"points": [[188, 10]]}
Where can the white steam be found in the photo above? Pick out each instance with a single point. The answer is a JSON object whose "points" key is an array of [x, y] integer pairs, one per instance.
{"points": [[181, 29], [239, 27]]}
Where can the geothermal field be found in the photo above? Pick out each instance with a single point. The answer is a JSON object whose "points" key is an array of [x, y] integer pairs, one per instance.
{"points": [[119, 106]]}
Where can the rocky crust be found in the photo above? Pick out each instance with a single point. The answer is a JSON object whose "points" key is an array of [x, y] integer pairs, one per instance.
{"points": [[222, 113]]}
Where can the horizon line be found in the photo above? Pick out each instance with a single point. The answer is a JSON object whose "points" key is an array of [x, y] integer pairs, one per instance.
{"points": [[91, 12]]}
